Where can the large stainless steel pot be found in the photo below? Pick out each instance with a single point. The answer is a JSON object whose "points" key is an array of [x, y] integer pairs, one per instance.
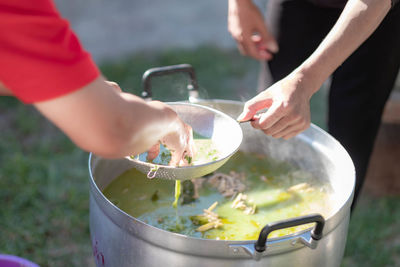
{"points": [[120, 240]]}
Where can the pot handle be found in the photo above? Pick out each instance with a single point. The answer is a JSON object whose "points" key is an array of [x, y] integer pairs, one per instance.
{"points": [[316, 233], [160, 71]]}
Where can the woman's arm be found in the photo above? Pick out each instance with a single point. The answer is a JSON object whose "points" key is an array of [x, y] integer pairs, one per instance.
{"points": [[103, 120], [247, 26], [288, 99], [358, 21]]}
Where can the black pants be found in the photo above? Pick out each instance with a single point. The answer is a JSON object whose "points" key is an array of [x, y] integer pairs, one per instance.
{"points": [[359, 87]]}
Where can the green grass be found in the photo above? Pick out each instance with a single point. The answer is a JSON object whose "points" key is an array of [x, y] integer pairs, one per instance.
{"points": [[374, 233], [43, 190], [44, 177]]}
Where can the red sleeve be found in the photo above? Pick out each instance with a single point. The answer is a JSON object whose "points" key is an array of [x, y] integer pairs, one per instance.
{"points": [[40, 57]]}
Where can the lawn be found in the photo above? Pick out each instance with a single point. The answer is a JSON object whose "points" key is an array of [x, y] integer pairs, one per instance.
{"points": [[44, 177]]}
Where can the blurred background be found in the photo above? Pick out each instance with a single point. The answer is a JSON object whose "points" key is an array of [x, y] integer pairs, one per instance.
{"points": [[44, 177]]}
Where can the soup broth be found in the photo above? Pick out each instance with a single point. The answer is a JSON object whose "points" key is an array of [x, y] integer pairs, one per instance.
{"points": [[273, 190]]}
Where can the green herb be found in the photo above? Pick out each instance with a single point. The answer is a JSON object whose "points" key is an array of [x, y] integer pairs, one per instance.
{"points": [[189, 159], [165, 157], [198, 219], [212, 152], [177, 225], [155, 196], [154, 168], [177, 193]]}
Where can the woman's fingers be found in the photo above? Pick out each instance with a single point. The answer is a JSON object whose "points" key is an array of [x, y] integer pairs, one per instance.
{"points": [[250, 48], [254, 47], [153, 152], [292, 130], [190, 150], [288, 103], [175, 159], [270, 117], [247, 26], [280, 125], [259, 102], [266, 40], [181, 145]]}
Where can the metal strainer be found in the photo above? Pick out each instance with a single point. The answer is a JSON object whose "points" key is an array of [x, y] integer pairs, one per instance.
{"points": [[224, 131]]}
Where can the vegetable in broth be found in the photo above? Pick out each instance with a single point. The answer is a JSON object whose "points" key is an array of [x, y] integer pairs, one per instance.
{"points": [[270, 191], [177, 193], [206, 152]]}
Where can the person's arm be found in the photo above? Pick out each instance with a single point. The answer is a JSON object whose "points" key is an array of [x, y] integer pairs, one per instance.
{"points": [[357, 22], [288, 99], [113, 124], [247, 26]]}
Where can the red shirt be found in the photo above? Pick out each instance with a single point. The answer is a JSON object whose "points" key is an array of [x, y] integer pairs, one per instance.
{"points": [[40, 57]]}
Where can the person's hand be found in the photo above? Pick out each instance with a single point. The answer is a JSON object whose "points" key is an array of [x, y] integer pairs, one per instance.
{"points": [[179, 142], [246, 25], [288, 113]]}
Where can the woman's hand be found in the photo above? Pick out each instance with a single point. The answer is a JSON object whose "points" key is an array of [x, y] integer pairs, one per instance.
{"points": [[288, 103], [179, 142], [246, 25]]}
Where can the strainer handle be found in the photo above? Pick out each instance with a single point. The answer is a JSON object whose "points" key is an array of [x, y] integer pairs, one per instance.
{"points": [[316, 233], [160, 71]]}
